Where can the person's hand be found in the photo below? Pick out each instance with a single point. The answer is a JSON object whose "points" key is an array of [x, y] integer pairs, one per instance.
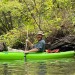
{"points": [[26, 51], [27, 40]]}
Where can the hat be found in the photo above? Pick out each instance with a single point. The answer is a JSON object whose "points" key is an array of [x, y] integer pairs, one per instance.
{"points": [[40, 32]]}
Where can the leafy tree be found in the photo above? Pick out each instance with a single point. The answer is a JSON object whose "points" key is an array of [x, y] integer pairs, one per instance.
{"points": [[45, 15]]}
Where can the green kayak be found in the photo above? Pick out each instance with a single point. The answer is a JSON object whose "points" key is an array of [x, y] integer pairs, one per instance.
{"points": [[35, 56]]}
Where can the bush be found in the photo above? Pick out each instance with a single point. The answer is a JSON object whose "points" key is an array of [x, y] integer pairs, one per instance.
{"points": [[14, 37]]}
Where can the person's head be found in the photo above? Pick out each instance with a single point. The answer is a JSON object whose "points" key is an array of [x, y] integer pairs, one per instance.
{"points": [[39, 35]]}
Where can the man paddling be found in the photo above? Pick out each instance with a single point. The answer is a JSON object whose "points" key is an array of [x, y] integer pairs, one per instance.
{"points": [[39, 46]]}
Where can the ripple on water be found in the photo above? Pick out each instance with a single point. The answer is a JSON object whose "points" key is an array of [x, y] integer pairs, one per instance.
{"points": [[50, 67]]}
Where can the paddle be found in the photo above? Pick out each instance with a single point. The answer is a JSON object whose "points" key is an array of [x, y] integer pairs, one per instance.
{"points": [[26, 43]]}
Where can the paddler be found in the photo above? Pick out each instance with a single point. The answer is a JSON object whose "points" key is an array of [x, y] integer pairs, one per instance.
{"points": [[39, 46]]}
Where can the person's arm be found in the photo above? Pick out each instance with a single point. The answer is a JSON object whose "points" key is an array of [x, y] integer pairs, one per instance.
{"points": [[29, 43]]}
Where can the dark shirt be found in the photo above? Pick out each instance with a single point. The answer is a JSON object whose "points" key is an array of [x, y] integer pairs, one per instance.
{"points": [[40, 45]]}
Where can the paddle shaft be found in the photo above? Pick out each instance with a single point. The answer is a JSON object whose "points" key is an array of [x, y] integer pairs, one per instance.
{"points": [[26, 47], [26, 38]]}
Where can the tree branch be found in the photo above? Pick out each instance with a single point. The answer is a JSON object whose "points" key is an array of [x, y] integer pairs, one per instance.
{"points": [[6, 21], [32, 14]]}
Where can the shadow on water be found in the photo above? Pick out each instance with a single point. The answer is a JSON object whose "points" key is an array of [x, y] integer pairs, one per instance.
{"points": [[5, 69], [50, 67]]}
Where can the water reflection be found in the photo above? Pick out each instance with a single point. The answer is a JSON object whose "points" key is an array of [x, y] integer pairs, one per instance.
{"points": [[5, 69], [51, 67]]}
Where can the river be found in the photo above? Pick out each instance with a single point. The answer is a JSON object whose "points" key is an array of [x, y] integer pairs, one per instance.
{"points": [[43, 67]]}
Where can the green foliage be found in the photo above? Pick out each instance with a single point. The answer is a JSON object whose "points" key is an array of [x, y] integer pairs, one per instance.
{"points": [[45, 15], [13, 36], [14, 6]]}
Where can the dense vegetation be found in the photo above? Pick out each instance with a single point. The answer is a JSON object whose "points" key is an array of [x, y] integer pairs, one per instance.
{"points": [[46, 15]]}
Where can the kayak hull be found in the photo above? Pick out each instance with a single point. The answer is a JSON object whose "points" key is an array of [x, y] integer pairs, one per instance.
{"points": [[11, 55], [35, 56], [45, 56]]}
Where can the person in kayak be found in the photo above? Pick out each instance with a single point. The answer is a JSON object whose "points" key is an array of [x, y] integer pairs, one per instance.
{"points": [[39, 46]]}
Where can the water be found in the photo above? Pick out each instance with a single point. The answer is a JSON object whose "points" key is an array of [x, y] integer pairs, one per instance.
{"points": [[47, 67]]}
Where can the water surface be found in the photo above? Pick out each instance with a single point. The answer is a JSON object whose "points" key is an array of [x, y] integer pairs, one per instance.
{"points": [[46, 67]]}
